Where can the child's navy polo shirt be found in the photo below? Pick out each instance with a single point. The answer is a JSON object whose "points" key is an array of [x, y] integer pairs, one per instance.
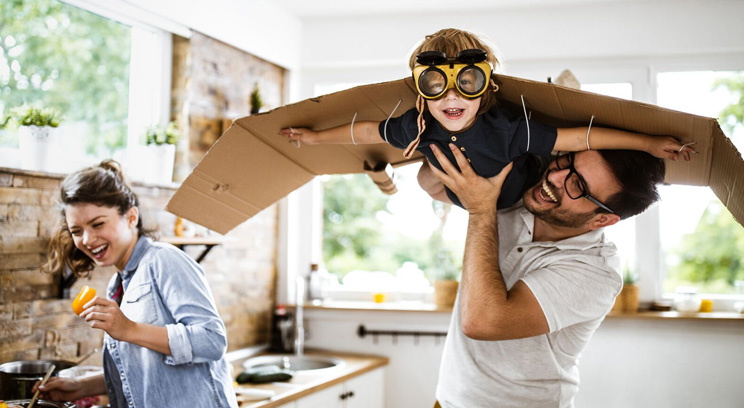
{"points": [[497, 138]]}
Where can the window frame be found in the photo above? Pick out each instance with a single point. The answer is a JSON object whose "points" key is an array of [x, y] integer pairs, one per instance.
{"points": [[640, 72], [147, 105]]}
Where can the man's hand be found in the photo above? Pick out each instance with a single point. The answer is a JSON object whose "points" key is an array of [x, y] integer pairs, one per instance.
{"points": [[477, 194]]}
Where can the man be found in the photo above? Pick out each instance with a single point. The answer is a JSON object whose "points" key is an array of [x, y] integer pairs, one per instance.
{"points": [[537, 278]]}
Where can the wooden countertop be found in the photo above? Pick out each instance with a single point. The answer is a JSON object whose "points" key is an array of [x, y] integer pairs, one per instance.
{"points": [[307, 383]]}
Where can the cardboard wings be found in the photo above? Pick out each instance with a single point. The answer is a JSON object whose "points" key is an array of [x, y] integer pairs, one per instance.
{"points": [[250, 167]]}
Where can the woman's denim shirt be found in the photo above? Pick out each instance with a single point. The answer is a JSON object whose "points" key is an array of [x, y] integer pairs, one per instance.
{"points": [[162, 286]]}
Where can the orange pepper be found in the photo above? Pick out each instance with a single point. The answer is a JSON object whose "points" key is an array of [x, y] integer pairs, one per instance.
{"points": [[86, 295]]}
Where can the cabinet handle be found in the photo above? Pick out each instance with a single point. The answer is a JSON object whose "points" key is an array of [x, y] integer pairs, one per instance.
{"points": [[344, 396], [351, 394]]}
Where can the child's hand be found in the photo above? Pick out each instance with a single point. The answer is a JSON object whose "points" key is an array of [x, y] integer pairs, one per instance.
{"points": [[304, 135], [667, 147]]}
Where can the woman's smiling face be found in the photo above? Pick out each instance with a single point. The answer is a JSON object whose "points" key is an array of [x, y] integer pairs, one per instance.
{"points": [[101, 233]]}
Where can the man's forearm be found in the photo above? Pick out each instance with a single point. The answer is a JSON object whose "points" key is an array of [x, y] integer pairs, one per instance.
{"points": [[483, 294]]}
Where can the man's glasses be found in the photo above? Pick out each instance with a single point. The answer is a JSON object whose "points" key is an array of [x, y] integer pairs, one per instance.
{"points": [[574, 184]]}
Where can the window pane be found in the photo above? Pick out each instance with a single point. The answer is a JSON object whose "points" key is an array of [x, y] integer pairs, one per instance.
{"points": [[364, 229], [703, 245], [621, 234], [60, 56]]}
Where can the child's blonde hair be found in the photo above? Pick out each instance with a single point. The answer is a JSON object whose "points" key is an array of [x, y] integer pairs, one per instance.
{"points": [[451, 41]]}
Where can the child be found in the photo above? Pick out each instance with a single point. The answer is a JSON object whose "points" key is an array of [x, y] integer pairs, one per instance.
{"points": [[452, 72]]}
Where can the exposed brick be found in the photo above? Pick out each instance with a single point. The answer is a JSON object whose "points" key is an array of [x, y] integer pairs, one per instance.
{"points": [[17, 245], [58, 321], [28, 354], [25, 196], [24, 310], [6, 179], [3, 212], [15, 328], [21, 261], [27, 277], [19, 228], [9, 344], [6, 312], [26, 212], [66, 351], [23, 181]]}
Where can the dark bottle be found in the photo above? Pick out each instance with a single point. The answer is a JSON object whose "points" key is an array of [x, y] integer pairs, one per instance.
{"points": [[282, 331]]}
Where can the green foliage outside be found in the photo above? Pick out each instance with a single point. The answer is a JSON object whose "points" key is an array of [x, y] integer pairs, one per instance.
{"points": [[26, 115], [255, 100], [57, 55], [354, 239], [159, 135], [712, 257]]}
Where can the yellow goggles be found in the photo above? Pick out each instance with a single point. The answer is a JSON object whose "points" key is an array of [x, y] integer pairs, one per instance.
{"points": [[469, 73]]}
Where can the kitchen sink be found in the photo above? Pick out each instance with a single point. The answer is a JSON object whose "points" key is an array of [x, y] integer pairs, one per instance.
{"points": [[310, 364]]}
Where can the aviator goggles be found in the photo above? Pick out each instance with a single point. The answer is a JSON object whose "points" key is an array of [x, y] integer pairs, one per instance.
{"points": [[435, 74]]}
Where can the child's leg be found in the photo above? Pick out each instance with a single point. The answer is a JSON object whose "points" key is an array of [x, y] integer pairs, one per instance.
{"points": [[431, 184]]}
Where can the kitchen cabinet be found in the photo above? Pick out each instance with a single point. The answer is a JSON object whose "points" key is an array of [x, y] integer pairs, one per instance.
{"points": [[364, 391]]}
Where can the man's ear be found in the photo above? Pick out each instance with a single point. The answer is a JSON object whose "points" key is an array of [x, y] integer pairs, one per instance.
{"points": [[603, 220]]}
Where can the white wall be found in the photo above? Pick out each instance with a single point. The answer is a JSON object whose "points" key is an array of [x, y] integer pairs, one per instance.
{"points": [[534, 42], [629, 362]]}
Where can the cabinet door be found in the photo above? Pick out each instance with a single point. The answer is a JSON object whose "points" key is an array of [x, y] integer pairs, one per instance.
{"points": [[327, 398], [366, 391]]}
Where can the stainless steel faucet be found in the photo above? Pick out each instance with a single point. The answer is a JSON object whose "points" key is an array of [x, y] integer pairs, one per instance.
{"points": [[299, 342]]}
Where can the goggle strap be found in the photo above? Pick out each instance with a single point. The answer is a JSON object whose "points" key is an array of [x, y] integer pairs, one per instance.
{"points": [[493, 85], [384, 129], [527, 120], [420, 123]]}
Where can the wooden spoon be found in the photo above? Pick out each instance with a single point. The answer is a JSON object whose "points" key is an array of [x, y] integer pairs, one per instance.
{"points": [[46, 378]]}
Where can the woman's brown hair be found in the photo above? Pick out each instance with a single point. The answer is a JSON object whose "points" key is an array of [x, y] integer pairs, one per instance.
{"points": [[102, 185], [451, 41]]}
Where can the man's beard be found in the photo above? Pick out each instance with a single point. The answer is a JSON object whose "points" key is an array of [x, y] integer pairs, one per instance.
{"points": [[557, 216]]}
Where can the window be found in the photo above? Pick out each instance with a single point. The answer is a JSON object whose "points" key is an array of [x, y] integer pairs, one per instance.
{"points": [[623, 233], [85, 65], [365, 230], [702, 243]]}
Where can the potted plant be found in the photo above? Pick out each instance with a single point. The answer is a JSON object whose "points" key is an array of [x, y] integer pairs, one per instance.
{"points": [[445, 280], [627, 301], [160, 145], [37, 130], [255, 100]]}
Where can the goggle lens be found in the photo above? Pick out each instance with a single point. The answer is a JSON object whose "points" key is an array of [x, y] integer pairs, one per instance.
{"points": [[471, 80], [432, 82]]}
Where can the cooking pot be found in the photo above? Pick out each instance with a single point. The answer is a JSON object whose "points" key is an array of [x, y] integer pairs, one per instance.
{"points": [[42, 403], [17, 378]]}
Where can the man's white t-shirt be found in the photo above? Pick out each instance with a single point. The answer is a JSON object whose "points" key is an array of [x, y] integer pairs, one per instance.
{"points": [[575, 281]]}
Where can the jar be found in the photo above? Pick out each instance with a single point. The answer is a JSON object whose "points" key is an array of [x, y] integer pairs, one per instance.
{"points": [[686, 299]]}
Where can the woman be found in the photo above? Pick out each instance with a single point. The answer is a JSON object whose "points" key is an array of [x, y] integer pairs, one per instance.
{"points": [[164, 342]]}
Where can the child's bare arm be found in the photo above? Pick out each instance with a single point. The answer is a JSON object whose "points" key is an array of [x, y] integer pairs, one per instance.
{"points": [[365, 132], [664, 147]]}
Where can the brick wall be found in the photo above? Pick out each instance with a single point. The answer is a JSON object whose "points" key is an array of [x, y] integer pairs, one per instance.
{"points": [[211, 85], [35, 323]]}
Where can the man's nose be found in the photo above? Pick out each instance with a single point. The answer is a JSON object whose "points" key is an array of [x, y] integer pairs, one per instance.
{"points": [[557, 176]]}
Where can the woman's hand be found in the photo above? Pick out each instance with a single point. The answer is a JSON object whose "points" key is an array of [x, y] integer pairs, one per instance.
{"points": [[104, 314], [477, 194], [60, 389], [667, 147], [304, 135]]}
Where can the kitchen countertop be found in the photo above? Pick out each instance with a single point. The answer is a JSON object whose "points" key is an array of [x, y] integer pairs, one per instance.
{"points": [[307, 383]]}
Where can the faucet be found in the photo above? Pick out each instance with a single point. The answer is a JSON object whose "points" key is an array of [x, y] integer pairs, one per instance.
{"points": [[299, 342]]}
